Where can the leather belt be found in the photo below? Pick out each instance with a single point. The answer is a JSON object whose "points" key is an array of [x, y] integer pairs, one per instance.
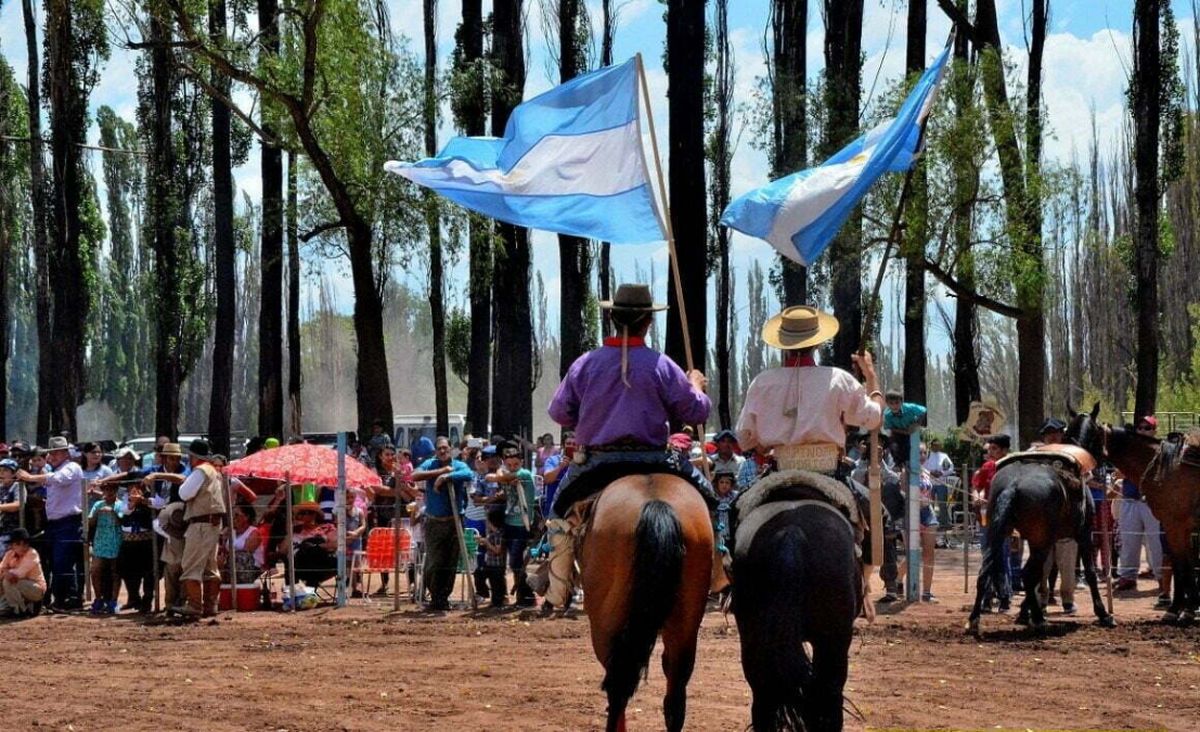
{"points": [[819, 457], [213, 519]]}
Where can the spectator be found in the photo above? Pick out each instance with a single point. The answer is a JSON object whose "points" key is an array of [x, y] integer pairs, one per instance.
{"points": [[554, 470], [383, 507], [726, 459], [249, 553], [356, 527], [164, 477], [482, 501], [492, 570], [206, 499], [104, 527], [758, 464], [1063, 559], [996, 448], [314, 544], [94, 468], [162, 481], [940, 467], [902, 420], [21, 581], [64, 536], [379, 438], [520, 516], [1138, 526], [928, 535], [545, 450], [10, 501], [135, 563], [725, 485], [440, 473]]}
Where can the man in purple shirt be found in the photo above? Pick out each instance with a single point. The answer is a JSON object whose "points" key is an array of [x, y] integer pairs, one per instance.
{"points": [[64, 534], [620, 400]]}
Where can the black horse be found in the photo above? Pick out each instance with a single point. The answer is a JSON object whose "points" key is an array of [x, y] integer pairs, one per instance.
{"points": [[1035, 494], [797, 579]]}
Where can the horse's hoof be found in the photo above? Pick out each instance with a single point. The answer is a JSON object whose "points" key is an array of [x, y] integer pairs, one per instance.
{"points": [[1039, 628], [1187, 617], [973, 627], [1022, 619], [1107, 621]]}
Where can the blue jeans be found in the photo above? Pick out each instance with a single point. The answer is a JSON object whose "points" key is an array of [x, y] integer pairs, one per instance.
{"points": [[65, 539], [515, 539]]}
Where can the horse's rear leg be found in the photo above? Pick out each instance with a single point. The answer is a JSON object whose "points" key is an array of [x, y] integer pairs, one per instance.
{"points": [[616, 713], [823, 694], [1031, 575], [1184, 600], [679, 649]]}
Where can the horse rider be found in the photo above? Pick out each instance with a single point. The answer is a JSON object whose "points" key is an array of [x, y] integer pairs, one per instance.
{"points": [[801, 410], [621, 400]]}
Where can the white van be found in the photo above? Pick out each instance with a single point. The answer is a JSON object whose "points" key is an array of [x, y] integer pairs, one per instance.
{"points": [[408, 427]]}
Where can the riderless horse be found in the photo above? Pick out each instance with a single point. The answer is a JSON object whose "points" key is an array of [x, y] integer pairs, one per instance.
{"points": [[1043, 495]]}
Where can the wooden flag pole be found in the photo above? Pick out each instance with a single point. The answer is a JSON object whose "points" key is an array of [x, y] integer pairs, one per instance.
{"points": [[670, 231]]}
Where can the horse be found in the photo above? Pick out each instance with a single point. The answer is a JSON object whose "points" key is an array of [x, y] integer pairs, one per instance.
{"points": [[646, 566], [1172, 491], [1030, 494], [796, 580]]}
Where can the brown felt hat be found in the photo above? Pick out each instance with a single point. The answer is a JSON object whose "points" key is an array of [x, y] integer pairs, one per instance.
{"points": [[800, 326], [632, 299]]}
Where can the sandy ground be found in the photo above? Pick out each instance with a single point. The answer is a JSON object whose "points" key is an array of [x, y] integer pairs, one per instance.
{"points": [[367, 668]]}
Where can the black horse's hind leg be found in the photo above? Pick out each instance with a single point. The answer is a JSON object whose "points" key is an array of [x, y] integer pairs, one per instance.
{"points": [[1031, 575], [982, 583], [1086, 551], [823, 693], [616, 712]]}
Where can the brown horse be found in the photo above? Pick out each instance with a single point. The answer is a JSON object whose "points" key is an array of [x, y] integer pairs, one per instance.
{"points": [[646, 566], [1172, 490]]}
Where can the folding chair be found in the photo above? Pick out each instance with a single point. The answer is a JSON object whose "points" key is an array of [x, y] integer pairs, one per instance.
{"points": [[466, 565]]}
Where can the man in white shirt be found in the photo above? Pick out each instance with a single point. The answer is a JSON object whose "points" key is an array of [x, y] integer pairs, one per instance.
{"points": [[940, 466], [64, 525]]}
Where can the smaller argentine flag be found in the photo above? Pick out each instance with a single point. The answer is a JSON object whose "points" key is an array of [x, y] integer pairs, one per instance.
{"points": [[570, 161], [800, 214]]}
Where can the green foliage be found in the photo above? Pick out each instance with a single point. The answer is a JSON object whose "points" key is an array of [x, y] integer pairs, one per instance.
{"points": [[458, 343]]}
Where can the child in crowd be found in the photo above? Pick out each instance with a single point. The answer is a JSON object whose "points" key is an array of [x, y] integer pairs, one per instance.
{"points": [[135, 562], [10, 501], [104, 527], [725, 485], [492, 571]]}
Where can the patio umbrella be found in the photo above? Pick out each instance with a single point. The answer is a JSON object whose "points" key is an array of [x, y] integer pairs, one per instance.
{"points": [[302, 464]]}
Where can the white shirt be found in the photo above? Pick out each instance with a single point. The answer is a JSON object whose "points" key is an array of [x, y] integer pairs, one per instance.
{"points": [[192, 485], [64, 491], [732, 465], [938, 461], [804, 405]]}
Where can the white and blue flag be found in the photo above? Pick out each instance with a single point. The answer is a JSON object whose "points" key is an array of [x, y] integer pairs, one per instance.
{"points": [[570, 162], [800, 214]]}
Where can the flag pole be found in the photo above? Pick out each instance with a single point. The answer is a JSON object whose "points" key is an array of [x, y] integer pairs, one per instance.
{"points": [[670, 231], [874, 478]]}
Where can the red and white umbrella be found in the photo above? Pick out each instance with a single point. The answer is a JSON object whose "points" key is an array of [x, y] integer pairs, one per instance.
{"points": [[303, 464]]}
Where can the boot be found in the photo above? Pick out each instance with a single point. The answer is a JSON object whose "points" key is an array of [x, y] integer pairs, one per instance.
{"points": [[212, 591], [524, 592], [193, 599]]}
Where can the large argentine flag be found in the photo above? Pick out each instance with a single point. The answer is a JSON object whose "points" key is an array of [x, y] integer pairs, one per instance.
{"points": [[570, 161], [800, 214]]}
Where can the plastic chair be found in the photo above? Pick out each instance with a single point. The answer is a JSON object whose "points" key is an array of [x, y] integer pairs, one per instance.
{"points": [[380, 554], [466, 565]]}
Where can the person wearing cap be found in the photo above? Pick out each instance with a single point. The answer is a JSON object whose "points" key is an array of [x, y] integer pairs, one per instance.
{"points": [[1052, 432], [22, 584], [10, 501], [64, 530], [996, 448], [1137, 525], [520, 516], [726, 460], [439, 473], [482, 499], [621, 400], [204, 496]]}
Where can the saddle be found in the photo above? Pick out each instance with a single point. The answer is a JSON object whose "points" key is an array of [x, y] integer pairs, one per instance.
{"points": [[588, 482], [802, 485], [1070, 462]]}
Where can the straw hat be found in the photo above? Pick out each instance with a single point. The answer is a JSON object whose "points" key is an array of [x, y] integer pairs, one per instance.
{"points": [[631, 299], [801, 326], [171, 448]]}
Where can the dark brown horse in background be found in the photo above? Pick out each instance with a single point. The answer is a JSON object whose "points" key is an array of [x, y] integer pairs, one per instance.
{"points": [[1172, 490], [646, 563]]}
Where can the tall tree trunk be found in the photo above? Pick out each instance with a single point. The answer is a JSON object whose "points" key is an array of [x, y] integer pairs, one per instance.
{"points": [[479, 370], [512, 400], [6, 247], [69, 284], [608, 34], [437, 304], [573, 252], [719, 144], [685, 81], [296, 427], [270, 332], [789, 116], [966, 316], [1147, 102], [916, 232], [843, 92], [41, 242], [224, 333], [162, 202]]}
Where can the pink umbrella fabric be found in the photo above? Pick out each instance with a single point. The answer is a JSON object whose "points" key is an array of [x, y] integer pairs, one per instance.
{"points": [[302, 464]]}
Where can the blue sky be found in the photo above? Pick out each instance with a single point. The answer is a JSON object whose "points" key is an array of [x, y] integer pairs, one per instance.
{"points": [[1086, 58]]}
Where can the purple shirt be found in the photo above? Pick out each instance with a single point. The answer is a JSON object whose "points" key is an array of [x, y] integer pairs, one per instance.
{"points": [[64, 491], [594, 402]]}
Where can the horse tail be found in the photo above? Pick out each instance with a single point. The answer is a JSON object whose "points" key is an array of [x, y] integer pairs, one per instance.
{"points": [[780, 661], [1000, 526], [657, 571]]}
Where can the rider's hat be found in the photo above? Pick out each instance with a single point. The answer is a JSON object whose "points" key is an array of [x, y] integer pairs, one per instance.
{"points": [[631, 299], [801, 326]]}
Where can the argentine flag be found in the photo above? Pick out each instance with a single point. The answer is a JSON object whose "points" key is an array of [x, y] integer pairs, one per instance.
{"points": [[570, 161], [800, 214]]}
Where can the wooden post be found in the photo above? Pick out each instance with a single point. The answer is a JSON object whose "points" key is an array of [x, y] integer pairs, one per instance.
{"points": [[233, 578], [967, 514], [462, 545]]}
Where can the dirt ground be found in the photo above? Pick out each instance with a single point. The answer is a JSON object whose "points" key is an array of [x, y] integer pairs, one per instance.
{"points": [[366, 668]]}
